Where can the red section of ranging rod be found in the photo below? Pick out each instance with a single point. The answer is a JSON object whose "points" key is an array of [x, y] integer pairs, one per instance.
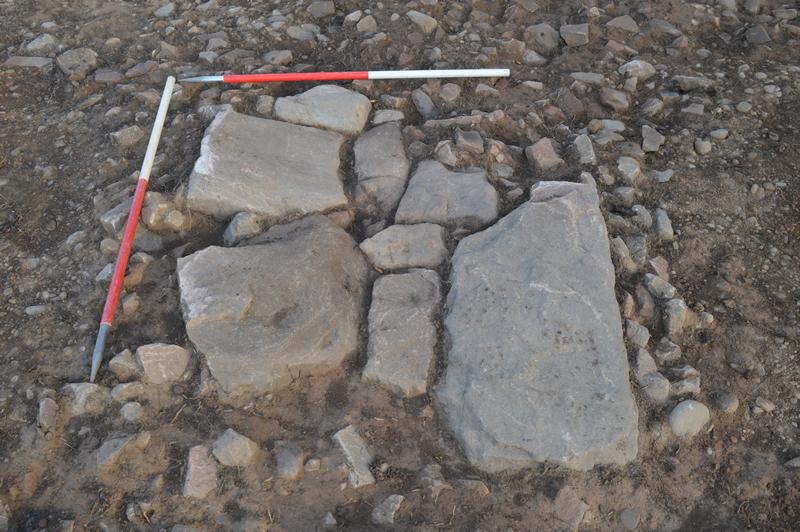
{"points": [[299, 76]]}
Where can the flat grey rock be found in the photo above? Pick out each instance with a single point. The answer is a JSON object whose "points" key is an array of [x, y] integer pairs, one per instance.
{"points": [[28, 62], [575, 34], [233, 449], [424, 104], [162, 362], [262, 314], [383, 514], [357, 455], [381, 166], [401, 331], [514, 393], [437, 195], [328, 107], [407, 246], [543, 36], [625, 22], [250, 164], [201, 474]]}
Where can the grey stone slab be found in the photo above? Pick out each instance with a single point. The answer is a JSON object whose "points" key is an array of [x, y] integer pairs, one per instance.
{"points": [[262, 314], [402, 336], [357, 455], [328, 107], [28, 62], [406, 246], [233, 449], [437, 195], [381, 166], [575, 34], [538, 371], [201, 474], [267, 167], [162, 362]]}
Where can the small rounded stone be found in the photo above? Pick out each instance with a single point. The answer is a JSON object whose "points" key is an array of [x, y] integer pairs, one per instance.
{"points": [[744, 107], [728, 403], [688, 418], [629, 518]]}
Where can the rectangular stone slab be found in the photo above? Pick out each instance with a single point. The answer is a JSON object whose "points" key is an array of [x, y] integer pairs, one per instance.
{"points": [[267, 167], [538, 371]]}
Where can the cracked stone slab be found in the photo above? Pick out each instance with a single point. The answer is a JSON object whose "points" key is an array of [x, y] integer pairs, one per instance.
{"points": [[286, 304], [546, 379], [328, 107], [250, 164], [437, 195], [402, 335], [381, 166], [407, 246]]}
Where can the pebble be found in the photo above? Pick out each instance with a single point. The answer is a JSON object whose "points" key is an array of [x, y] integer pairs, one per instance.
{"points": [[719, 134], [728, 403], [629, 518], [688, 418], [765, 404], [702, 147], [744, 107], [233, 449]]}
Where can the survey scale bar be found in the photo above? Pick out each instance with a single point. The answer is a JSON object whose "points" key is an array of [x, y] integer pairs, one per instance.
{"points": [[373, 74]]}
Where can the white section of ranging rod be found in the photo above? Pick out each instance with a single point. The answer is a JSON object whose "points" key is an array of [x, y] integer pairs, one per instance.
{"points": [[457, 73], [155, 136]]}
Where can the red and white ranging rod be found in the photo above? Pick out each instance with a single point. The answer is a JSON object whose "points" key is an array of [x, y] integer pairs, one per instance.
{"points": [[130, 229], [367, 74]]}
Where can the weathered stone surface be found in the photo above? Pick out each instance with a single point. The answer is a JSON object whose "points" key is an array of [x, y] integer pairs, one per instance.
{"points": [[406, 246], [357, 455], [543, 155], [106, 456], [125, 366], [654, 385], [575, 34], [439, 196], [250, 164], [424, 104], [543, 36], [128, 136], [233, 449], [43, 43], [383, 514], [641, 70], [568, 507], [675, 312], [688, 418], [401, 331], [244, 225], [289, 458], [517, 394], [381, 166], [87, 398], [326, 106], [80, 62], [262, 313], [18, 61], [613, 98], [425, 23], [161, 362], [201, 474], [625, 22], [278, 57], [583, 145], [470, 141], [48, 414], [651, 139]]}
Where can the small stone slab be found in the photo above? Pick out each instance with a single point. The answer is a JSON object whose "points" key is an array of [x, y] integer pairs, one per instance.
{"points": [[201, 474], [28, 62], [383, 514], [538, 370], [262, 314], [437, 195], [357, 455], [402, 336], [625, 22], [407, 246], [233, 449], [543, 155], [262, 166], [328, 107], [381, 166], [161, 362]]}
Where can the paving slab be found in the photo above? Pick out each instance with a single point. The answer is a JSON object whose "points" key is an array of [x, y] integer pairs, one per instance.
{"points": [[267, 167], [440, 196], [288, 303], [546, 378], [402, 335], [381, 166], [328, 107], [407, 246]]}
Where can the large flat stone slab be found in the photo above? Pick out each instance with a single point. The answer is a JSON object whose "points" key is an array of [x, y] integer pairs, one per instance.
{"points": [[265, 313], [326, 106], [381, 166], [437, 195], [538, 371], [401, 331], [266, 167]]}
